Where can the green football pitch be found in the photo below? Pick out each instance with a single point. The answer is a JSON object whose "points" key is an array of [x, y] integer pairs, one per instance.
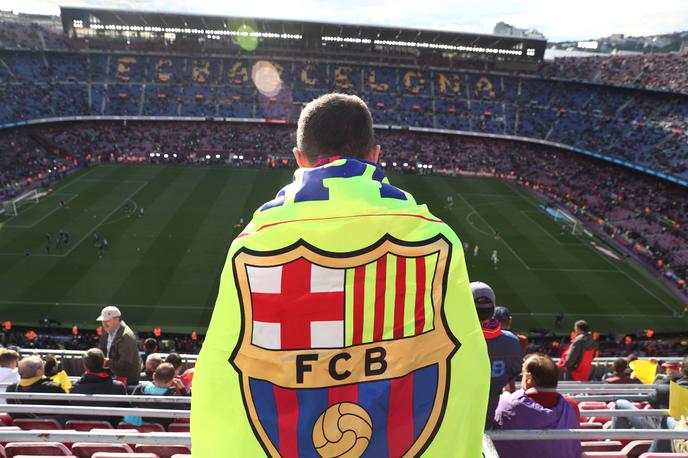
{"points": [[163, 268]]}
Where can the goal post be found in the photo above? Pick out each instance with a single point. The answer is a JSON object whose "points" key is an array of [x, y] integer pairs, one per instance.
{"points": [[11, 207], [574, 225]]}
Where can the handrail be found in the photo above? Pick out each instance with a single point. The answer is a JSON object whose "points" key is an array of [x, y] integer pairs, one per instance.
{"points": [[80, 353], [122, 436], [586, 434], [96, 397], [94, 411], [625, 413], [610, 397], [131, 437]]}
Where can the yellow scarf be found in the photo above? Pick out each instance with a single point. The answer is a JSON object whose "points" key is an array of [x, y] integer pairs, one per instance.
{"points": [[28, 381]]}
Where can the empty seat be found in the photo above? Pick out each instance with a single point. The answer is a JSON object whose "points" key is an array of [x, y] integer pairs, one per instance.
{"points": [[601, 446], [144, 428], [36, 448], [181, 456], [603, 455], [636, 448], [87, 425], [178, 427], [88, 449], [37, 423], [163, 451], [124, 455], [591, 426], [6, 419], [664, 455]]}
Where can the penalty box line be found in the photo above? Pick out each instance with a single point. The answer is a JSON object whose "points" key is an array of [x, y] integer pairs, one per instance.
{"points": [[29, 226]]}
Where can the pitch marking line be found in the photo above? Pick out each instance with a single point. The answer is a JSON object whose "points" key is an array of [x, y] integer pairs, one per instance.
{"points": [[88, 233], [525, 264], [525, 213], [29, 226], [643, 287]]}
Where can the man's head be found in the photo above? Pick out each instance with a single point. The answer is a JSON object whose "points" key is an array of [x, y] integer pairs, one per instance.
{"points": [[620, 365], [9, 359], [539, 371], [31, 366], [93, 360], [175, 360], [335, 124], [164, 375], [503, 315], [150, 345], [152, 362], [672, 369], [684, 366], [111, 318], [581, 327], [484, 299]]}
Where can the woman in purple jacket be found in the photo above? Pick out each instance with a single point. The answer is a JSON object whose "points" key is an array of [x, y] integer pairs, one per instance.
{"points": [[531, 408]]}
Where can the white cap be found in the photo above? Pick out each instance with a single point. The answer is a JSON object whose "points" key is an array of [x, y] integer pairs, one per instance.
{"points": [[109, 313]]}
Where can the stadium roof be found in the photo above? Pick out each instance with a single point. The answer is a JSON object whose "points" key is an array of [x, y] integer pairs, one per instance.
{"points": [[307, 34]]}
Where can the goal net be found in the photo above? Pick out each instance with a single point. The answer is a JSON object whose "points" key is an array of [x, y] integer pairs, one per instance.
{"points": [[11, 207], [567, 220]]}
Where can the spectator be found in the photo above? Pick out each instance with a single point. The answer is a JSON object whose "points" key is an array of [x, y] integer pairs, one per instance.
{"points": [[503, 347], [32, 379], [176, 361], [164, 384], [119, 343], [98, 379], [8, 370], [537, 406], [150, 346], [578, 355], [53, 370], [152, 363], [503, 315], [620, 374]]}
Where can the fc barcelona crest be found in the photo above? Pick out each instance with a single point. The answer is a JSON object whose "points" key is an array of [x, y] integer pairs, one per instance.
{"points": [[344, 354]]}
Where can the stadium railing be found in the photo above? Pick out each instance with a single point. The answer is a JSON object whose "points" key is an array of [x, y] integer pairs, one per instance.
{"points": [[94, 398]]}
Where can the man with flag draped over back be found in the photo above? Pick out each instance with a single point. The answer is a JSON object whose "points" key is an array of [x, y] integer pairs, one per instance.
{"points": [[344, 324]]}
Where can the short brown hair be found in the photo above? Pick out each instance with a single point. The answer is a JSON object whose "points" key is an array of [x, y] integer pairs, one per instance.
{"points": [[7, 357], [164, 373], [542, 368], [335, 124]]}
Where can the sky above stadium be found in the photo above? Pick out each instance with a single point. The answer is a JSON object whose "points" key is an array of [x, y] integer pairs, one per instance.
{"points": [[559, 20]]}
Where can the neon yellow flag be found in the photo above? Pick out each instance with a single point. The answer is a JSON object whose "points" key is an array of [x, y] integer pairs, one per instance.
{"points": [[344, 327], [644, 370], [678, 401], [63, 380]]}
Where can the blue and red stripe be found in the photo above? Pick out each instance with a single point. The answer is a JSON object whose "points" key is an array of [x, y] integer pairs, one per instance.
{"points": [[288, 415]]}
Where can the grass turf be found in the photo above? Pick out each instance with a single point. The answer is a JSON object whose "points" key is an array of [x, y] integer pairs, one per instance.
{"points": [[163, 268]]}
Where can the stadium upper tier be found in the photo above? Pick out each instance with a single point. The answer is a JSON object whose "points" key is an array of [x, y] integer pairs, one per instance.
{"points": [[644, 127]]}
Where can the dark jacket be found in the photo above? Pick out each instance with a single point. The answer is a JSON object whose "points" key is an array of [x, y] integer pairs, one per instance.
{"points": [[660, 399], [99, 383], [43, 385], [172, 391], [582, 344], [123, 358]]}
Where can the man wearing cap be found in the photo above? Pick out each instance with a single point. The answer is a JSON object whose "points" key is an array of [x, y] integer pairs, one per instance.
{"points": [[503, 347], [503, 315], [118, 342]]}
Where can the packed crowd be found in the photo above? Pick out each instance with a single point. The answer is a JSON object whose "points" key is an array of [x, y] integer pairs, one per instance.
{"points": [[643, 127], [653, 71]]}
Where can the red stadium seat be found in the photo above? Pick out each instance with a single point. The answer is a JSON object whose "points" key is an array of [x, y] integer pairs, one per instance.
{"points": [[37, 423], [178, 427], [603, 455], [6, 419], [591, 426], [87, 425], [44, 456], [124, 455], [88, 449], [36, 448], [181, 456], [636, 448], [144, 428], [163, 451], [601, 446]]}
